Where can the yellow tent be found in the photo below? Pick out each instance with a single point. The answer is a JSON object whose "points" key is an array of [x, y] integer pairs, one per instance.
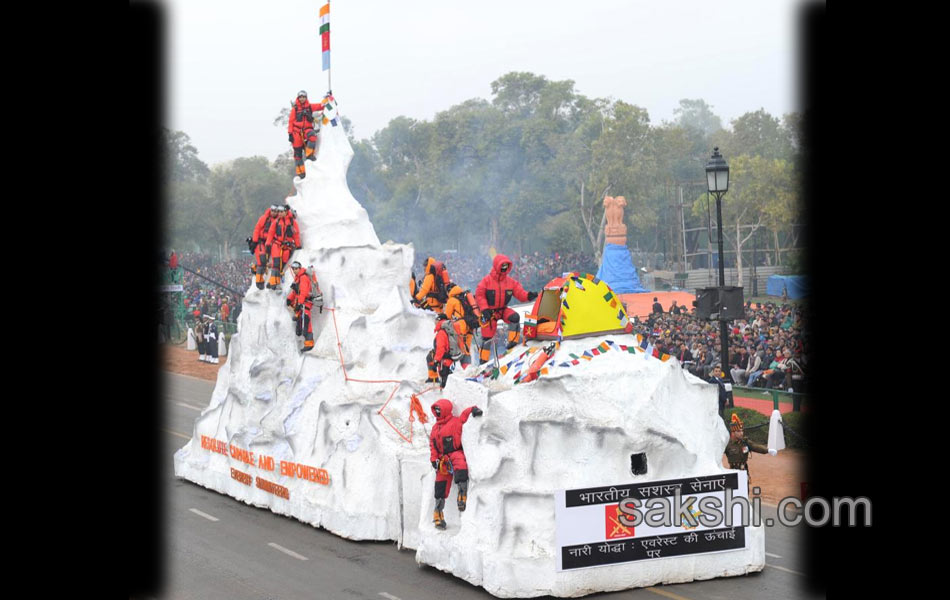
{"points": [[576, 305]]}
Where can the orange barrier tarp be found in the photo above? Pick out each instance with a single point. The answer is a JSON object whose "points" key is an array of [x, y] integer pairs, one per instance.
{"points": [[641, 305]]}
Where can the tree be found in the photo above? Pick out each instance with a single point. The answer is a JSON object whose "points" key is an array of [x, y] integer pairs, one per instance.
{"points": [[181, 162], [760, 134], [697, 117], [185, 179], [239, 193]]}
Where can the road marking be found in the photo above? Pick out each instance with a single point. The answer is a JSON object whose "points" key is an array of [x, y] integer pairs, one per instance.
{"points": [[201, 514], [666, 593], [786, 570], [181, 435], [188, 406], [288, 552], [772, 555], [390, 596]]}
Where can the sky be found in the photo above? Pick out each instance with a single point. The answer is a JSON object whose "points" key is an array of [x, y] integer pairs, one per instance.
{"points": [[232, 65]]}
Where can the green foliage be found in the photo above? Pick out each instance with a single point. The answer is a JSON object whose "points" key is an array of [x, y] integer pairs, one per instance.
{"points": [[180, 162], [799, 422], [760, 134]]}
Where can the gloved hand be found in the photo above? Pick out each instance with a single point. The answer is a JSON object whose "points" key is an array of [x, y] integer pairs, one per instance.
{"points": [[487, 317], [251, 244], [773, 452], [532, 296], [290, 138], [477, 412], [435, 464]]}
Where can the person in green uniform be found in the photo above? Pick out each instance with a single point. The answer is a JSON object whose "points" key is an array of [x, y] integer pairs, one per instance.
{"points": [[737, 450]]}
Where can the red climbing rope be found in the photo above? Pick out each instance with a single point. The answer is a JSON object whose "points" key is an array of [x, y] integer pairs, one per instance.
{"points": [[415, 404]]}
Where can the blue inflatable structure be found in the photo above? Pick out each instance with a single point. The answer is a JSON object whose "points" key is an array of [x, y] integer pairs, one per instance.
{"points": [[618, 270]]}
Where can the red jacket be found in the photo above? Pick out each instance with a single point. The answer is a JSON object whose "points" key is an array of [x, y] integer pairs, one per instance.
{"points": [[282, 230], [302, 115], [263, 226], [300, 290], [496, 289], [446, 426]]}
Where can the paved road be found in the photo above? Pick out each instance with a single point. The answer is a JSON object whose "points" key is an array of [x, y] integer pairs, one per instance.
{"points": [[219, 547]]}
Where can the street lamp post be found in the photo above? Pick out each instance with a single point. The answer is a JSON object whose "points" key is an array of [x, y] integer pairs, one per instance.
{"points": [[717, 181]]}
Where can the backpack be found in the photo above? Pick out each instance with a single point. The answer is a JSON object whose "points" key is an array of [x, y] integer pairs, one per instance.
{"points": [[441, 292], [455, 346], [468, 310]]}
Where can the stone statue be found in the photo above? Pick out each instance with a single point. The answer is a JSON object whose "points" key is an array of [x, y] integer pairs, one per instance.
{"points": [[616, 231]]}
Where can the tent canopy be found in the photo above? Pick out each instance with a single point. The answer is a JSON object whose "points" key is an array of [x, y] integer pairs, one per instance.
{"points": [[576, 305]]}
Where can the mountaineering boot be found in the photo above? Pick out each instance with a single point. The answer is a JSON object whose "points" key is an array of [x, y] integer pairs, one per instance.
{"points": [[439, 520], [260, 284], [463, 497], [514, 338]]}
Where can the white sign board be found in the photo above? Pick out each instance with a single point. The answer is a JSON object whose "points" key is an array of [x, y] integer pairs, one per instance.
{"points": [[591, 533]]}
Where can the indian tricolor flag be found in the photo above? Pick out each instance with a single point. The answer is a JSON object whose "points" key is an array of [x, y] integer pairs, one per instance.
{"points": [[325, 34]]}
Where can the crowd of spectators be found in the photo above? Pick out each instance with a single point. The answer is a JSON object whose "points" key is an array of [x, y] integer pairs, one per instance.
{"points": [[532, 269], [201, 297], [767, 349]]}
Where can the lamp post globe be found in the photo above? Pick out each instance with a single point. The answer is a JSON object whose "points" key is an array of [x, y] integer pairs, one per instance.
{"points": [[717, 173]]}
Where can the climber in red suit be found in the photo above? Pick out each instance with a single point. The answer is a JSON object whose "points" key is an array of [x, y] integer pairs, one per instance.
{"points": [[257, 246], [302, 130], [292, 234], [301, 299], [449, 346], [280, 236], [492, 295], [447, 456]]}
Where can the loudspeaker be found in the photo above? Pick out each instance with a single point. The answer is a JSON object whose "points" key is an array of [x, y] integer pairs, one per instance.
{"points": [[727, 303], [705, 303], [731, 303]]}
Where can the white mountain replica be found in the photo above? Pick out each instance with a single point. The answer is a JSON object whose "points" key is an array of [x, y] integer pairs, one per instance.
{"points": [[327, 436]]}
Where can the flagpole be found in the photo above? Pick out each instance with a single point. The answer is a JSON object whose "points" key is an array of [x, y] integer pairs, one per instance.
{"points": [[330, 66]]}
